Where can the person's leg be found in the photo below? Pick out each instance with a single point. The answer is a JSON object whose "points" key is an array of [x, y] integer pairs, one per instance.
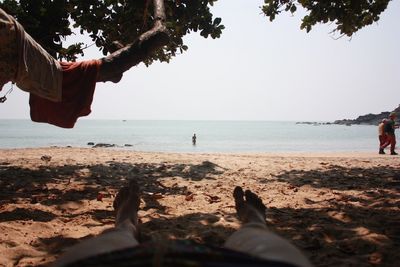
{"points": [[255, 238], [393, 145], [123, 235], [382, 139], [388, 140]]}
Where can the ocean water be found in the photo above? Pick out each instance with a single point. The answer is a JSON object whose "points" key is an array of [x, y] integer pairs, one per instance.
{"points": [[175, 136]]}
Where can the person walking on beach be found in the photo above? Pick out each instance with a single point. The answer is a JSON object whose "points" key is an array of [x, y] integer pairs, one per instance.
{"points": [[194, 138], [390, 137], [381, 133]]}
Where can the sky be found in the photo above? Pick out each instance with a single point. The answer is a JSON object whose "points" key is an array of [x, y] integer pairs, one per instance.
{"points": [[257, 70]]}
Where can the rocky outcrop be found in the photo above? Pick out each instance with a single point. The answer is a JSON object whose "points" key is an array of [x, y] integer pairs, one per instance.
{"points": [[315, 123], [369, 119], [103, 145]]}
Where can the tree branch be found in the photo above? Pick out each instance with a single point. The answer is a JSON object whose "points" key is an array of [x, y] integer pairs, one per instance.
{"points": [[115, 64]]}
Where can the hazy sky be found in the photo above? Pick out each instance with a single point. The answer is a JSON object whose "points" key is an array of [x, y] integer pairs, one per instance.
{"points": [[257, 70]]}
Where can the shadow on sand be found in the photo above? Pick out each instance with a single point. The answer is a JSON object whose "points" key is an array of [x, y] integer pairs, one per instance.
{"points": [[359, 230]]}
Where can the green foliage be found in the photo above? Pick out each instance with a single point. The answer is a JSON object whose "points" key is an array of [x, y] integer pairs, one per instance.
{"points": [[348, 15], [49, 22], [45, 20], [105, 21]]}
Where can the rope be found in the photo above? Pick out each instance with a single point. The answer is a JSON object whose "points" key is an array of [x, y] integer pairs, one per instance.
{"points": [[4, 98]]}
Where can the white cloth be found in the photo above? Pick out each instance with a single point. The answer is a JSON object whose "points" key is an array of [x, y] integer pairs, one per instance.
{"points": [[37, 71], [257, 240]]}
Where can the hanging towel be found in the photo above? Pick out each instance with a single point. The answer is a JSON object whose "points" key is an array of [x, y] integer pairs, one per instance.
{"points": [[78, 85]]}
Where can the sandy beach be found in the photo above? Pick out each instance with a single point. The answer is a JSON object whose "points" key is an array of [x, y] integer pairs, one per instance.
{"points": [[341, 209]]}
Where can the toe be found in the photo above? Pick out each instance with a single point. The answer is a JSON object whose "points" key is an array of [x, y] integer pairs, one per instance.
{"points": [[120, 197], [255, 201], [238, 194]]}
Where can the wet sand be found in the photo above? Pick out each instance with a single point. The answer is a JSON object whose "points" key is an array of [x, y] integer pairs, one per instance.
{"points": [[341, 209]]}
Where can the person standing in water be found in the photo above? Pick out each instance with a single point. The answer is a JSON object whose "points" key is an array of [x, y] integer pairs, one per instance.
{"points": [[194, 138]]}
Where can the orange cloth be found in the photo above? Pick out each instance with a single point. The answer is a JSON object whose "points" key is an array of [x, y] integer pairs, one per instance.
{"points": [[78, 85]]}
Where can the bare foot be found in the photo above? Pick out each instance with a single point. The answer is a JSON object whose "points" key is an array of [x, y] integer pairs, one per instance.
{"points": [[126, 204], [250, 209]]}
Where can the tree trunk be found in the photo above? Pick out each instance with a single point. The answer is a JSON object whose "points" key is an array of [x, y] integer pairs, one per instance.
{"points": [[115, 64]]}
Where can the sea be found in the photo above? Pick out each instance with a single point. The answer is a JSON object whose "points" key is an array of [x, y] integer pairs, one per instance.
{"points": [[176, 136]]}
